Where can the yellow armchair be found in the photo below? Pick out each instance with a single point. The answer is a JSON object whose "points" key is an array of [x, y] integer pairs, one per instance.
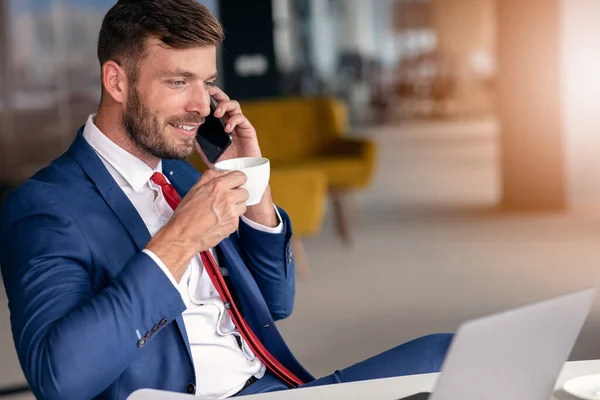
{"points": [[302, 193], [310, 132]]}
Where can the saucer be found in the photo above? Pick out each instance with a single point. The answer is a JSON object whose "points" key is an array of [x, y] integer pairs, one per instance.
{"points": [[584, 387]]}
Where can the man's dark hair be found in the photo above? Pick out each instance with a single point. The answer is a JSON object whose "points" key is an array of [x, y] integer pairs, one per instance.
{"points": [[179, 24]]}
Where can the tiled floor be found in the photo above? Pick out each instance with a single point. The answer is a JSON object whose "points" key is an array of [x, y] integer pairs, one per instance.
{"points": [[431, 251]]}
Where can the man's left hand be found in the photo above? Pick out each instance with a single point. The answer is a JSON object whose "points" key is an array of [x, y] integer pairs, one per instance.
{"points": [[245, 141]]}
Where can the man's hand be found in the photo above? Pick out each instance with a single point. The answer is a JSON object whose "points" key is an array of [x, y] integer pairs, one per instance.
{"points": [[208, 214], [245, 141]]}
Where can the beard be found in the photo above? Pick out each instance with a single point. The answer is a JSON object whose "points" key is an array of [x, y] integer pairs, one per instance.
{"points": [[147, 134]]}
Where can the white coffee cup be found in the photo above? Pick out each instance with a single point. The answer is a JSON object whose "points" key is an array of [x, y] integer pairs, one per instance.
{"points": [[256, 169]]}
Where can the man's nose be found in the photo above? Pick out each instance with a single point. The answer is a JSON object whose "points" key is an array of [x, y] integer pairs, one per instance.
{"points": [[199, 102]]}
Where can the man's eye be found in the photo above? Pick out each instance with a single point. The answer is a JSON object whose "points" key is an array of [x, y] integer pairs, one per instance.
{"points": [[210, 84], [177, 84]]}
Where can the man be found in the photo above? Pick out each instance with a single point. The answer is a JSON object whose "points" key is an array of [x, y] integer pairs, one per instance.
{"points": [[110, 280]]}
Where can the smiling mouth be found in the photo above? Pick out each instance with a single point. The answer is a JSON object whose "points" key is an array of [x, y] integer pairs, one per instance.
{"points": [[187, 128]]}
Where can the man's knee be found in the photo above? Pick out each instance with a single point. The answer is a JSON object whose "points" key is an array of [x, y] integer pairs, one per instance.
{"points": [[440, 340], [419, 356], [437, 345], [430, 350]]}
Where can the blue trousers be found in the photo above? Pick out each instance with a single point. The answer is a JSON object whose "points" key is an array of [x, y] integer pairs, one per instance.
{"points": [[420, 356]]}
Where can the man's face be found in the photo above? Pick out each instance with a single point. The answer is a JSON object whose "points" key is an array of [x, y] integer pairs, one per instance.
{"points": [[170, 99]]}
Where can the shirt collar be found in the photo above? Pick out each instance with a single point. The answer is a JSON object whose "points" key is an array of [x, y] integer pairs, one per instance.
{"points": [[133, 170]]}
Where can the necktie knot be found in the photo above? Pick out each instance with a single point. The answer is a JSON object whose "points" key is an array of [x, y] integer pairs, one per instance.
{"points": [[159, 179], [168, 190]]}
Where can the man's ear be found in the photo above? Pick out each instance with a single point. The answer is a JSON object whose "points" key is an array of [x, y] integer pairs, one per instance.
{"points": [[114, 80]]}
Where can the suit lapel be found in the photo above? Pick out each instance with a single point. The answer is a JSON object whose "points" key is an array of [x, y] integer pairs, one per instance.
{"points": [[89, 161], [181, 181]]}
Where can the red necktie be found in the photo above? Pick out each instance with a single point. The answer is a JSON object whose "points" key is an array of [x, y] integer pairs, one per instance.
{"points": [[214, 273]]}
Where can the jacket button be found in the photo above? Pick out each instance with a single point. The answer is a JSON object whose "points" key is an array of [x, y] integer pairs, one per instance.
{"points": [[190, 388], [156, 328], [163, 322], [142, 342]]}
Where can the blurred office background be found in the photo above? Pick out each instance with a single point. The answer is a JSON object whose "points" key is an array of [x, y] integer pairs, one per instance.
{"points": [[474, 125]]}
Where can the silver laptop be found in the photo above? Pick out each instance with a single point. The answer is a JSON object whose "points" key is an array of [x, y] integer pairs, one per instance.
{"points": [[517, 354]]}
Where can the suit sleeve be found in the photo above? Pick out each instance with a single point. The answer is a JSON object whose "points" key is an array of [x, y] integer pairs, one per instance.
{"points": [[73, 343], [271, 261]]}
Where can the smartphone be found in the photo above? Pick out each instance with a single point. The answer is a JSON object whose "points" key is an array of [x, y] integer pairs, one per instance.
{"points": [[211, 135]]}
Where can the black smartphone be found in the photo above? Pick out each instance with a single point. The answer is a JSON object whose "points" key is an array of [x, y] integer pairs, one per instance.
{"points": [[211, 135], [418, 396]]}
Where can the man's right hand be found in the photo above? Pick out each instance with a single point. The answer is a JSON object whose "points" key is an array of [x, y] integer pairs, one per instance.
{"points": [[208, 214]]}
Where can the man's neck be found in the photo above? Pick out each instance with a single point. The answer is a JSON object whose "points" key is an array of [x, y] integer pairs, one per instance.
{"points": [[112, 127]]}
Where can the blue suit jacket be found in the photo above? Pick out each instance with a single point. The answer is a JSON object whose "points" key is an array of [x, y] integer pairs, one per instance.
{"points": [[81, 292]]}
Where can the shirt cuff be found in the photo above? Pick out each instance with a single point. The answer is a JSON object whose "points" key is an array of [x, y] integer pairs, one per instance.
{"points": [[262, 228], [162, 266]]}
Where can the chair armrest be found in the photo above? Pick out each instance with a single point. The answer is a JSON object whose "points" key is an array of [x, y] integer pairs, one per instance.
{"points": [[302, 193], [351, 147]]}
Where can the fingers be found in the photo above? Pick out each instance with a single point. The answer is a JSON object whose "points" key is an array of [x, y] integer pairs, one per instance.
{"points": [[236, 210], [229, 110], [239, 209], [228, 176], [210, 175], [230, 107], [234, 121], [224, 104], [217, 181], [240, 196], [231, 180], [218, 94]]}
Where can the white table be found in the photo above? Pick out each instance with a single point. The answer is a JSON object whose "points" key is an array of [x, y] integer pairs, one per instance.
{"points": [[378, 389]]}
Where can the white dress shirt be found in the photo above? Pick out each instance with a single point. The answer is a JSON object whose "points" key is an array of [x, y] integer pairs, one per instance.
{"points": [[221, 366]]}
